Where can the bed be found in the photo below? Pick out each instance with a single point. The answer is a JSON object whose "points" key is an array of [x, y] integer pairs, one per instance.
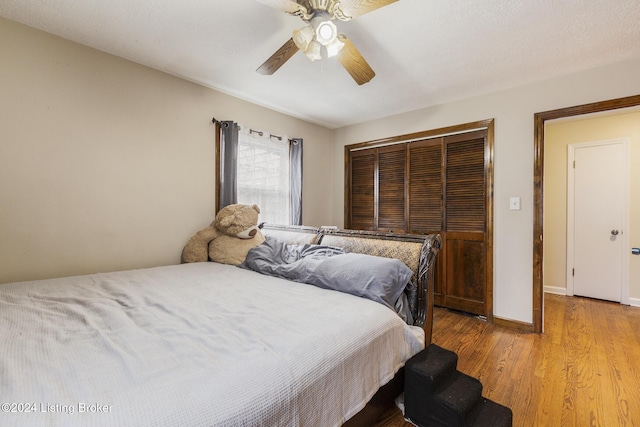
{"points": [[207, 344]]}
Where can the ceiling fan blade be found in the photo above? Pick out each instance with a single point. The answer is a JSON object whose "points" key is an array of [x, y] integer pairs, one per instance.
{"points": [[353, 62], [355, 8], [288, 6], [276, 60]]}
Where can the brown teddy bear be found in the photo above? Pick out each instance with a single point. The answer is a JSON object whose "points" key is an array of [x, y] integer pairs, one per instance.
{"points": [[229, 237]]}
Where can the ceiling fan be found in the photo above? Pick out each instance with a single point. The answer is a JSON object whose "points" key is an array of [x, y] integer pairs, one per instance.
{"points": [[321, 34]]}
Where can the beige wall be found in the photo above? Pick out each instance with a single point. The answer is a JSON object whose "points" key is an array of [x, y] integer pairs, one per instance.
{"points": [[109, 165], [558, 135], [513, 111]]}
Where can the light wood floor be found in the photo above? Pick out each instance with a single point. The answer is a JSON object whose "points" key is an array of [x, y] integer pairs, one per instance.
{"points": [[584, 370]]}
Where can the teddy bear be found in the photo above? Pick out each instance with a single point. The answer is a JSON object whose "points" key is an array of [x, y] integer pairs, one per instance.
{"points": [[229, 237]]}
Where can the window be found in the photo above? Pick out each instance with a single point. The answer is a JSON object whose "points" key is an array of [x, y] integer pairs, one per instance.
{"points": [[263, 175], [255, 167]]}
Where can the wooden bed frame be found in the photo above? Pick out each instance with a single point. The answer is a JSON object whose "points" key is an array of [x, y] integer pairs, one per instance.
{"points": [[418, 252]]}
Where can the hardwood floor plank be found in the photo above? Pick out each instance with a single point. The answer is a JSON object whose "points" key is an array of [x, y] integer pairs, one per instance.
{"points": [[584, 370]]}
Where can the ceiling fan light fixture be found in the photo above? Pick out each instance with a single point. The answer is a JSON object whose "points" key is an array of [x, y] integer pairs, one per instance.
{"points": [[303, 37], [326, 31], [334, 47], [313, 51]]}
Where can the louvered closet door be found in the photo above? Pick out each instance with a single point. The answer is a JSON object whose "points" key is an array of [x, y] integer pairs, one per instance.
{"points": [[362, 189], [426, 208], [391, 188], [434, 185], [425, 186], [465, 223]]}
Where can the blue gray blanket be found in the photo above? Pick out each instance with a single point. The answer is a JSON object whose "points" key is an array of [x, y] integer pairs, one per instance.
{"points": [[376, 278]]}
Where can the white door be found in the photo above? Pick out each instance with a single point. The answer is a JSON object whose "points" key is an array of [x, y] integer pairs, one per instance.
{"points": [[597, 217]]}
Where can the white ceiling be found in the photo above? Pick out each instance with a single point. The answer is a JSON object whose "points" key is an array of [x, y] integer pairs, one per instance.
{"points": [[424, 52]]}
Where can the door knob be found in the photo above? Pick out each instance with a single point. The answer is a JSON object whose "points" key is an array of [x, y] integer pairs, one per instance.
{"points": [[614, 232]]}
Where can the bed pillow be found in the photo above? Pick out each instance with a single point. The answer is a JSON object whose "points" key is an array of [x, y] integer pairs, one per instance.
{"points": [[379, 279], [376, 278]]}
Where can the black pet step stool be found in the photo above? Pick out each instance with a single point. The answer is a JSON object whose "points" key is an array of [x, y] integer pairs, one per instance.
{"points": [[437, 394]]}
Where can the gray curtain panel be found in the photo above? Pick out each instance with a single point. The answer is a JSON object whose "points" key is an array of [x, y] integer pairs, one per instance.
{"points": [[295, 180], [228, 163]]}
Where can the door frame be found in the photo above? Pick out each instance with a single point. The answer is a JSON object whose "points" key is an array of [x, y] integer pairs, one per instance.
{"points": [[539, 120], [624, 285]]}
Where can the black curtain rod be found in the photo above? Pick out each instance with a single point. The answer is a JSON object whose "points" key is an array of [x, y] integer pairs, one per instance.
{"points": [[259, 132]]}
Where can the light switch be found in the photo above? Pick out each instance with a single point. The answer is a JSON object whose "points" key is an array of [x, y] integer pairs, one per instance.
{"points": [[514, 203]]}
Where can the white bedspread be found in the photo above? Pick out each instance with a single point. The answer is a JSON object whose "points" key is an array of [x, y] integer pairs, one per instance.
{"points": [[200, 344]]}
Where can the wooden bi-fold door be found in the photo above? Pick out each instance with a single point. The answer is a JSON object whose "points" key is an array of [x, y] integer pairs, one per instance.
{"points": [[432, 185], [465, 217]]}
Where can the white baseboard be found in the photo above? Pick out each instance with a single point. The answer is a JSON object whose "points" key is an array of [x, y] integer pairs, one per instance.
{"points": [[634, 302], [555, 290]]}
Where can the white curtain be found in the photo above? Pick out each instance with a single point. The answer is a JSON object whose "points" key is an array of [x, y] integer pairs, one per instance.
{"points": [[263, 174]]}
